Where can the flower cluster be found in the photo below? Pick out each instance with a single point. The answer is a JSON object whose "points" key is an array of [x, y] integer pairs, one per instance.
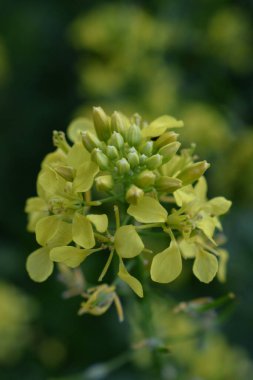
{"points": [[137, 170]]}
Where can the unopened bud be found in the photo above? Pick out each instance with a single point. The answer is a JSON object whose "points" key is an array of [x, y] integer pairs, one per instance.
{"points": [[134, 135], [90, 141], [59, 140], [66, 172], [154, 162], [147, 148], [145, 179], [117, 140], [134, 194], [104, 183], [143, 159], [119, 123], [123, 166], [165, 138], [99, 301], [100, 158], [112, 152], [101, 123], [169, 150], [133, 159], [193, 172], [167, 184]]}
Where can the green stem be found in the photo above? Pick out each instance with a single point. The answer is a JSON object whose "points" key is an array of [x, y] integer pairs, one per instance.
{"points": [[150, 225], [106, 267], [148, 324]]}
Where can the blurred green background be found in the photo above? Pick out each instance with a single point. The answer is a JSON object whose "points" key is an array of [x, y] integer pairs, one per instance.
{"points": [[192, 60]]}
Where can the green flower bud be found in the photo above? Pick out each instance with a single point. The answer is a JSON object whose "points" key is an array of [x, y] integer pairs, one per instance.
{"points": [[154, 162], [193, 172], [90, 141], [123, 166], [167, 184], [112, 152], [119, 123], [117, 140], [145, 179], [134, 194], [101, 123], [133, 159], [165, 138], [59, 140], [169, 150], [100, 158], [147, 148], [134, 135], [143, 159], [66, 172], [104, 182]]}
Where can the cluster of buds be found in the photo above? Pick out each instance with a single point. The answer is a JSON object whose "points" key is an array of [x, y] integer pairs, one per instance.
{"points": [[135, 168]]}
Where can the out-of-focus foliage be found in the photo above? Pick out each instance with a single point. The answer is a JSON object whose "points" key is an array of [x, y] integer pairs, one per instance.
{"points": [[4, 67], [195, 63], [17, 311], [195, 347]]}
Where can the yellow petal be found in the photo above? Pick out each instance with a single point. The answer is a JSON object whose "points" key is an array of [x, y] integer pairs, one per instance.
{"points": [[35, 204], [134, 284], [50, 183], [82, 231], [205, 266], [207, 224], [222, 270], [184, 195], [200, 188], [219, 205], [99, 221], [188, 248], [53, 231], [77, 126], [38, 265], [84, 176], [166, 265], [158, 126], [127, 242], [70, 256], [148, 210], [77, 155]]}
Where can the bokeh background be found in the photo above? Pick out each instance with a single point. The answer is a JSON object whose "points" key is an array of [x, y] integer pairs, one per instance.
{"points": [[191, 59]]}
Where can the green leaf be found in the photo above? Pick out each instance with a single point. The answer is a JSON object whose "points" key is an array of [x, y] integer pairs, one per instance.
{"points": [[52, 231], [70, 256], [127, 242], [205, 266], [167, 265], [84, 176], [134, 284], [38, 265], [158, 126], [148, 210], [99, 221], [82, 231]]}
